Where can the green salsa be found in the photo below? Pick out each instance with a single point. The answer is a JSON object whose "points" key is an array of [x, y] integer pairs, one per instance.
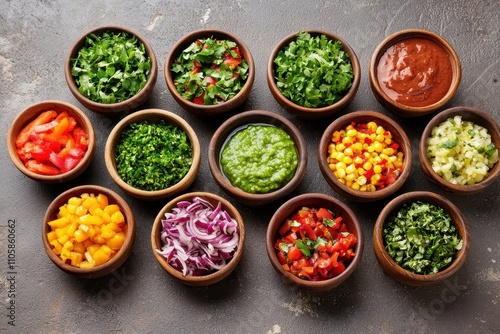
{"points": [[259, 158]]}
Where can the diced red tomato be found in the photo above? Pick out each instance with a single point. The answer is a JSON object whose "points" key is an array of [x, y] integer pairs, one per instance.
{"points": [[231, 61], [330, 248], [199, 99]]}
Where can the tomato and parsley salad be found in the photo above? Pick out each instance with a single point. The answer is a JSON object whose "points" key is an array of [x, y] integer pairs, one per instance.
{"points": [[315, 245], [210, 71], [53, 143]]}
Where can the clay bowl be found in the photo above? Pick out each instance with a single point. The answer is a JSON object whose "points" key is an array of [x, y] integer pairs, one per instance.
{"points": [[398, 135], [209, 110], [391, 267], [32, 112], [404, 110], [468, 114], [122, 254], [224, 132], [199, 280], [118, 108], [154, 116], [310, 112], [317, 201]]}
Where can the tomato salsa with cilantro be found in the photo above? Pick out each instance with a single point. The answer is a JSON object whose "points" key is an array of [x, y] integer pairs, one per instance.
{"points": [[210, 71], [53, 143], [315, 245]]}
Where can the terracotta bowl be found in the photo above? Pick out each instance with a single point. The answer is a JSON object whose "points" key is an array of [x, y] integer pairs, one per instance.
{"points": [[406, 110], [314, 200], [468, 114], [222, 134], [208, 110], [398, 135], [154, 116], [403, 275], [28, 115], [118, 108], [306, 112], [202, 280], [117, 260]]}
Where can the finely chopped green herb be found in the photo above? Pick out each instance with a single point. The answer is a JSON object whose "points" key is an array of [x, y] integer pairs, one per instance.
{"points": [[111, 67], [153, 156], [421, 238], [313, 71]]}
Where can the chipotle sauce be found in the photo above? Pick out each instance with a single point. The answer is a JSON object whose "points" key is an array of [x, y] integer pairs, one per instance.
{"points": [[415, 72]]}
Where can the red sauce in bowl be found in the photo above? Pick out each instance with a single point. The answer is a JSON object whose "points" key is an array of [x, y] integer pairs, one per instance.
{"points": [[415, 72]]}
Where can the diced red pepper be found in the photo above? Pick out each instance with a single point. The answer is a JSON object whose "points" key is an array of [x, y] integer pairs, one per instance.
{"points": [[24, 135], [41, 168]]}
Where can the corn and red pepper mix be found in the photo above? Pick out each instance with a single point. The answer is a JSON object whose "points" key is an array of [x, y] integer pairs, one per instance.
{"points": [[364, 157], [88, 231]]}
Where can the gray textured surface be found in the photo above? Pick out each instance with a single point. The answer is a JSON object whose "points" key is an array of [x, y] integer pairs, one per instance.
{"points": [[141, 298]]}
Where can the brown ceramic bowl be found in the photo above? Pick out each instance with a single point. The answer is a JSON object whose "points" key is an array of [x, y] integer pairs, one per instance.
{"points": [[255, 117], [118, 259], [208, 110], [406, 110], [118, 108], [468, 114], [317, 201], [201, 280], [28, 115], [320, 112], [154, 116], [403, 275], [398, 135]]}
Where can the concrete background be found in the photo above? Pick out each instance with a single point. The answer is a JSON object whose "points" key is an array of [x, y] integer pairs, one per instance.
{"points": [[140, 297]]}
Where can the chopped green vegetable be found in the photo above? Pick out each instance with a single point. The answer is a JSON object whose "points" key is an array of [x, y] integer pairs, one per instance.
{"points": [[313, 71], [303, 248], [153, 156], [210, 71], [111, 67], [421, 238]]}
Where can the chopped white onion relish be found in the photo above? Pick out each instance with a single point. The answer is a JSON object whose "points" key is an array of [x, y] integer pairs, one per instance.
{"points": [[461, 152], [198, 238]]}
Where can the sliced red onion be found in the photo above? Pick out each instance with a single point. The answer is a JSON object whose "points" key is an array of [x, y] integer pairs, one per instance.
{"points": [[198, 238]]}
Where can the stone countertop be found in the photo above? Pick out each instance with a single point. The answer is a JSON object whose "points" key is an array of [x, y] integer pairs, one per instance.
{"points": [[140, 297]]}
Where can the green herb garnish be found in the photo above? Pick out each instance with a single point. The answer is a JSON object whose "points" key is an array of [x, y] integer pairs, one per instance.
{"points": [[153, 156], [111, 67], [313, 71], [421, 238], [303, 248], [210, 71]]}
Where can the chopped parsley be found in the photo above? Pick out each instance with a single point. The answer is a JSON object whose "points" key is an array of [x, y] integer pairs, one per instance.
{"points": [[313, 71], [111, 67], [153, 156], [421, 238]]}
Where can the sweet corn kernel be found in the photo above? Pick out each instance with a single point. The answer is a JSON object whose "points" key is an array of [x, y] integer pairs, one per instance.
{"points": [[350, 177], [380, 130], [351, 133], [377, 169], [358, 160], [361, 180], [350, 169], [380, 138], [367, 165], [347, 160], [340, 173], [340, 165], [355, 186], [378, 147]]}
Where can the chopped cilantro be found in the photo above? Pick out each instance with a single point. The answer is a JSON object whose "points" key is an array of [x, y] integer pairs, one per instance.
{"points": [[313, 71], [111, 67], [153, 156], [421, 238]]}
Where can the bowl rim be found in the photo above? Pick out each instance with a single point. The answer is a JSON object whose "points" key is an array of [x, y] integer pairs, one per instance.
{"points": [[204, 279], [293, 205], [34, 110], [227, 128], [301, 111], [208, 110], [119, 258], [401, 274], [358, 195], [486, 121], [399, 108], [142, 115], [117, 107]]}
